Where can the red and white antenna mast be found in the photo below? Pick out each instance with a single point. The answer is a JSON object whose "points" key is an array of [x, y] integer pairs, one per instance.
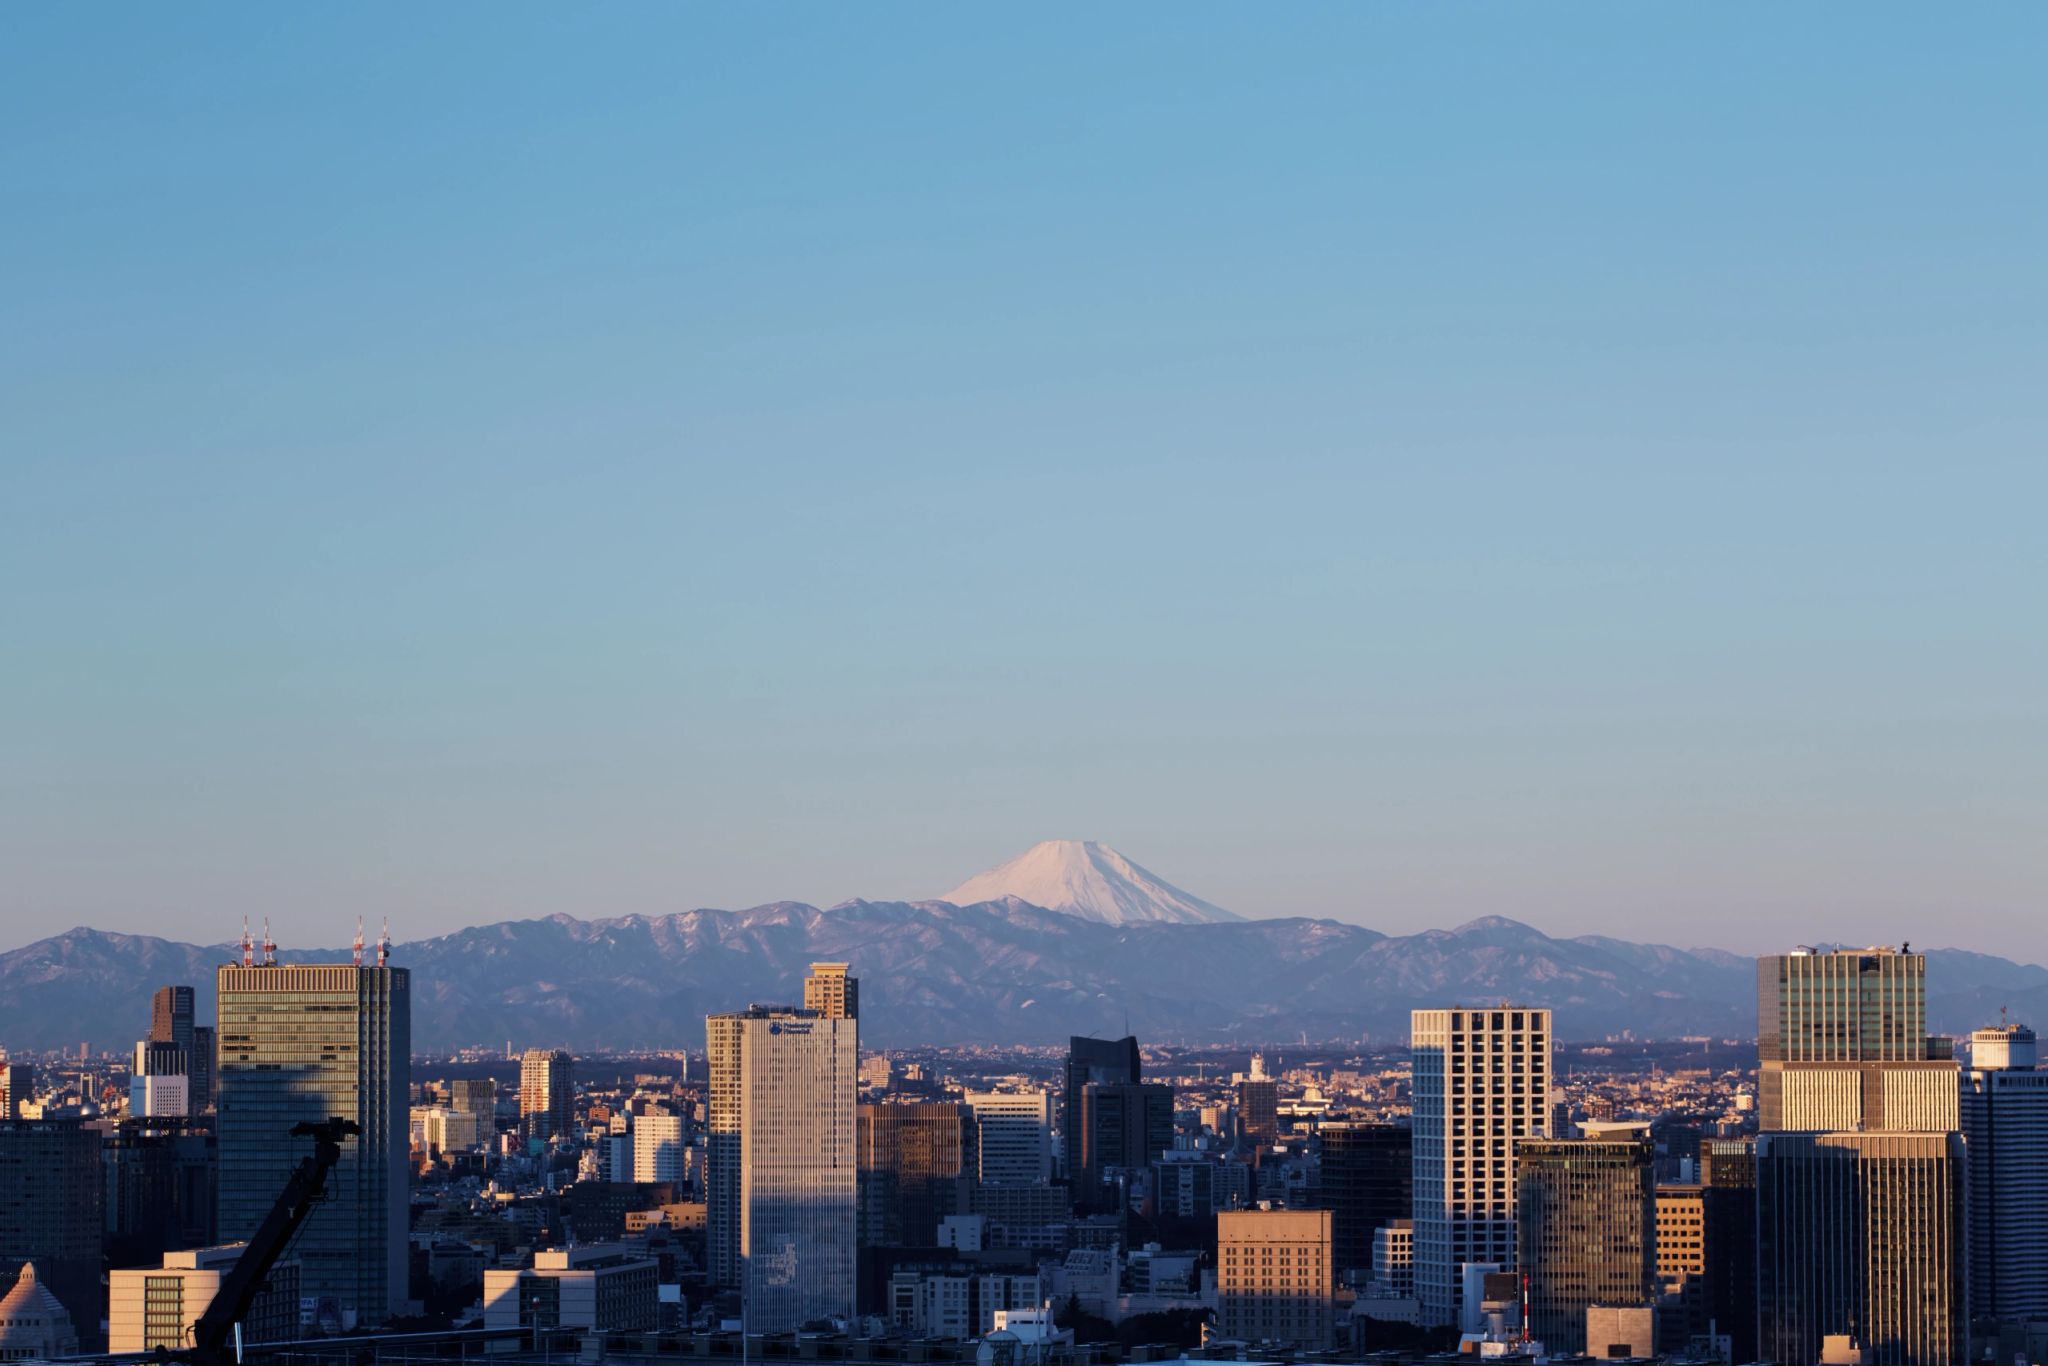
{"points": [[248, 948], [359, 941], [269, 945], [384, 943]]}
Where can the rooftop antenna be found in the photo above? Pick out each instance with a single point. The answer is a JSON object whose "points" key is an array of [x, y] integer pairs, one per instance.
{"points": [[359, 942], [248, 948], [384, 943], [269, 945]]}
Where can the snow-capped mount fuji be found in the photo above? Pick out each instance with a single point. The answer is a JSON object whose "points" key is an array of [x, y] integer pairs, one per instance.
{"points": [[1090, 880]]}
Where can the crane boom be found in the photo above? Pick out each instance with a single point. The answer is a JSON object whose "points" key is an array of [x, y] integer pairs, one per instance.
{"points": [[239, 1288]]}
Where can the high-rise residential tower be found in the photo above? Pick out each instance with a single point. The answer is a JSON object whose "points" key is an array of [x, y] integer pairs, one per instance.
{"points": [[1861, 1235], [306, 1042], [1585, 1230], [547, 1094], [1842, 1044], [829, 991], [2005, 1127], [781, 1168], [1481, 1082]]}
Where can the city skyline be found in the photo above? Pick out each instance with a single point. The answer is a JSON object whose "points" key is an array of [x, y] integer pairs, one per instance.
{"points": [[897, 685], [1400, 464]]}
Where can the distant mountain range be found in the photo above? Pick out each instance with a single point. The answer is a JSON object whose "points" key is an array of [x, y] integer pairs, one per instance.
{"points": [[1001, 971]]}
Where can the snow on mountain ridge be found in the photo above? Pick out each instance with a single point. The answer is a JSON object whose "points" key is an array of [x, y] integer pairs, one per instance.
{"points": [[1092, 881]]}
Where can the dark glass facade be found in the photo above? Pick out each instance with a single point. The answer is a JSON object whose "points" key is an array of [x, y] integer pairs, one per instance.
{"points": [[1585, 1231], [1861, 1234]]}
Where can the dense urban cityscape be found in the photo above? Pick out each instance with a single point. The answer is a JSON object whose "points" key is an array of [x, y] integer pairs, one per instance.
{"points": [[536, 538], [1846, 1190]]}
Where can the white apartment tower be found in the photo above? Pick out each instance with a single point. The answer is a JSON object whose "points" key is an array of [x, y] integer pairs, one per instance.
{"points": [[1482, 1082], [781, 1162], [659, 1141]]}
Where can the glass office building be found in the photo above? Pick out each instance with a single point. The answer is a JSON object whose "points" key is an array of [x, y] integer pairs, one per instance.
{"points": [[781, 1165], [1585, 1212], [309, 1042]]}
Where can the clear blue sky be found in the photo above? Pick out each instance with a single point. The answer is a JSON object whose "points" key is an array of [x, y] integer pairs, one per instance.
{"points": [[1393, 462]]}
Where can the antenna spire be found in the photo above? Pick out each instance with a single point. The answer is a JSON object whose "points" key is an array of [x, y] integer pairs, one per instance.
{"points": [[248, 948], [269, 945], [359, 942], [384, 943]]}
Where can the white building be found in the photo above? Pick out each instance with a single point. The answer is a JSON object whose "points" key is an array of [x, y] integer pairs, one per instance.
{"points": [[157, 1306], [1015, 1132], [781, 1163], [2005, 1130], [34, 1326], [439, 1129], [1482, 1081], [959, 1305], [658, 1143], [599, 1287], [1393, 1258], [158, 1097]]}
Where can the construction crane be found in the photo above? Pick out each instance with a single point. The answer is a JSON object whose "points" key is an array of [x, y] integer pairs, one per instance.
{"points": [[214, 1338]]}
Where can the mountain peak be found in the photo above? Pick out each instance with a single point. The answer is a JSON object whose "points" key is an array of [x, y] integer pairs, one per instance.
{"points": [[1497, 924], [1088, 879]]}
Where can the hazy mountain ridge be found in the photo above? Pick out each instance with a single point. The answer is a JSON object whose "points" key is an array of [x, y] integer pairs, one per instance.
{"points": [[995, 972]]}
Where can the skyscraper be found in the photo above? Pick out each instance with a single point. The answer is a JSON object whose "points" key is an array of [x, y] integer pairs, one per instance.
{"points": [[1728, 1201], [1103, 1061], [1117, 1125], [171, 1028], [917, 1165], [305, 1042], [1258, 1109], [1842, 1044], [1481, 1082], [1367, 1180], [2005, 1128], [1861, 1234], [547, 1094], [1013, 1142], [831, 993], [1585, 1230], [781, 1169], [204, 1066], [170, 1017]]}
